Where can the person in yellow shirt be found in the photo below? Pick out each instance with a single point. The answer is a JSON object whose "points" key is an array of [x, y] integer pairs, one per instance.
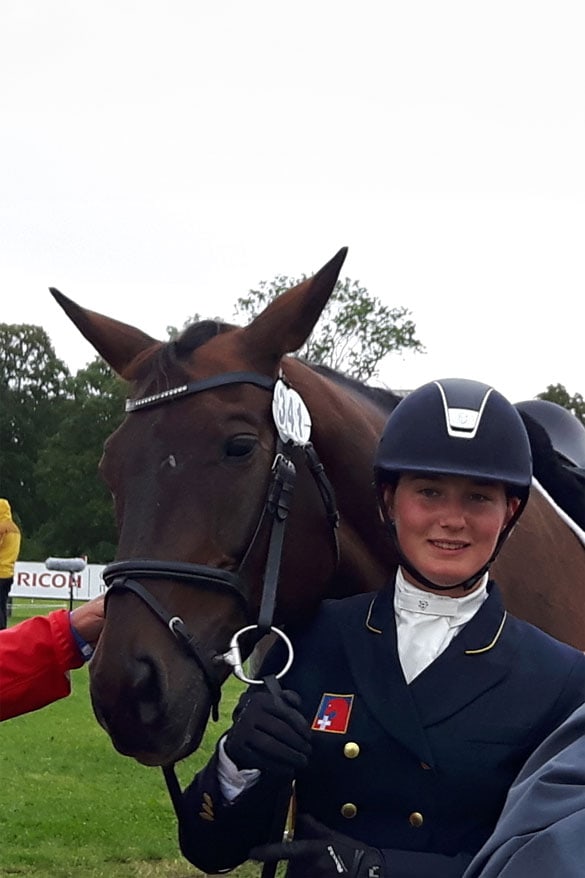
{"points": [[9, 551]]}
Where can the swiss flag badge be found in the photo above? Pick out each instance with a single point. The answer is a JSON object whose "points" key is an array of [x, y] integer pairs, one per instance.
{"points": [[333, 713]]}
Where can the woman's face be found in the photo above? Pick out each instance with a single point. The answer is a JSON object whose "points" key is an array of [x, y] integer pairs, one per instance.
{"points": [[447, 526]]}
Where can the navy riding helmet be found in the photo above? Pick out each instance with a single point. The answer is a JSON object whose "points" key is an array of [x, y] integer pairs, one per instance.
{"points": [[456, 427]]}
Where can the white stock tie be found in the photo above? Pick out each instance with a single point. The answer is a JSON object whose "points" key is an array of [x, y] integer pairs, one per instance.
{"points": [[426, 623]]}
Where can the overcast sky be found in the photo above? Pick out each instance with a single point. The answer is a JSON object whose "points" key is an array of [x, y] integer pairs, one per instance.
{"points": [[161, 158]]}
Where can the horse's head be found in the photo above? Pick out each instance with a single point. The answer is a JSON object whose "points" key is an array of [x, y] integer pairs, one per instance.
{"points": [[189, 470]]}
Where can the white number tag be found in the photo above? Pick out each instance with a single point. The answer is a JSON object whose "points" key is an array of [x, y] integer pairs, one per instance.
{"points": [[291, 415]]}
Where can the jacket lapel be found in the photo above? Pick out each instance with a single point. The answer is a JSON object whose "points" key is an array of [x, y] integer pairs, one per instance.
{"points": [[475, 661], [370, 645]]}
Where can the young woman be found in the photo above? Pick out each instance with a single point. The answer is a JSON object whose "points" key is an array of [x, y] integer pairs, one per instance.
{"points": [[406, 714]]}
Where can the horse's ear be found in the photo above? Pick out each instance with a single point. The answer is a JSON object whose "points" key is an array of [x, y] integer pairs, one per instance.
{"points": [[286, 323], [118, 343]]}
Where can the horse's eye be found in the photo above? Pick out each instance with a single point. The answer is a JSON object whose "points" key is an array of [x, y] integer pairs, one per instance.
{"points": [[240, 446]]}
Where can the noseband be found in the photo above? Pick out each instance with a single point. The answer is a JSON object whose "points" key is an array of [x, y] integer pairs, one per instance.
{"points": [[123, 575]]}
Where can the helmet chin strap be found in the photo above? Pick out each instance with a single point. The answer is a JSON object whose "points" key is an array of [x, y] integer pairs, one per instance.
{"points": [[466, 584]]}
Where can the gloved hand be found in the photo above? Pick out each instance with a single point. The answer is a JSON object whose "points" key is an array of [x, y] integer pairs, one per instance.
{"points": [[270, 734], [323, 853]]}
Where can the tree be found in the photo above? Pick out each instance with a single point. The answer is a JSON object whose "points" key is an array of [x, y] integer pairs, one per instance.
{"points": [[33, 390], [355, 329], [559, 394], [80, 519]]}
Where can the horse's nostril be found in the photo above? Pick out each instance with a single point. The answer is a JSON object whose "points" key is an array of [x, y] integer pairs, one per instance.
{"points": [[148, 712], [147, 692], [145, 680], [144, 676]]}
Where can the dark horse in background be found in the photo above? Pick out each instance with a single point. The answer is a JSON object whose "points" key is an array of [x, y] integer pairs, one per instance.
{"points": [[189, 470]]}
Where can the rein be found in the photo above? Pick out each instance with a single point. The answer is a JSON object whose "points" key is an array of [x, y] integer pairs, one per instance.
{"points": [[123, 575]]}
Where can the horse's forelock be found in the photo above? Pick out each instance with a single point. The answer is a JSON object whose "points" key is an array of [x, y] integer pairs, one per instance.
{"points": [[195, 335], [177, 351]]}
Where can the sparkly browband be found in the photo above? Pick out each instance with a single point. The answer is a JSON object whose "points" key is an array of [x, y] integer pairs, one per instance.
{"points": [[262, 381]]}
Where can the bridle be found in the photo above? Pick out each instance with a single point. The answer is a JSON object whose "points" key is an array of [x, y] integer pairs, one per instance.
{"points": [[123, 575]]}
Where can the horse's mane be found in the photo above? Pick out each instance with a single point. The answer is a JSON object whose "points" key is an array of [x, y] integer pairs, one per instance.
{"points": [[384, 399]]}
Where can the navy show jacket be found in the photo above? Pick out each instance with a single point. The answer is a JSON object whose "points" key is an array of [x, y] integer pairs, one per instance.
{"points": [[422, 769]]}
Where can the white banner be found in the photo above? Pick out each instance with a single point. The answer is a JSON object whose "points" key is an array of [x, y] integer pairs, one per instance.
{"points": [[33, 580]]}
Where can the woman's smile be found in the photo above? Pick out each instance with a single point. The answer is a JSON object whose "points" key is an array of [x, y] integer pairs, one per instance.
{"points": [[448, 545]]}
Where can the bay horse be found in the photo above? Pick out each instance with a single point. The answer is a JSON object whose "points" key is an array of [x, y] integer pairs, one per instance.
{"points": [[192, 473]]}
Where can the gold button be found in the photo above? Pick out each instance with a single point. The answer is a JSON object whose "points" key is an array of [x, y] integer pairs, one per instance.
{"points": [[348, 810], [351, 750], [416, 819], [425, 766]]}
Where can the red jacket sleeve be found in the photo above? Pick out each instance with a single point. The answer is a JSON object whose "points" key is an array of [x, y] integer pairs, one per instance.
{"points": [[35, 657]]}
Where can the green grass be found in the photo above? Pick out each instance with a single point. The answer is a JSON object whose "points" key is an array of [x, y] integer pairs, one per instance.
{"points": [[71, 806]]}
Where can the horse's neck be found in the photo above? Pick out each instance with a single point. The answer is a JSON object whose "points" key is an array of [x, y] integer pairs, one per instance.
{"points": [[541, 572], [346, 429]]}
